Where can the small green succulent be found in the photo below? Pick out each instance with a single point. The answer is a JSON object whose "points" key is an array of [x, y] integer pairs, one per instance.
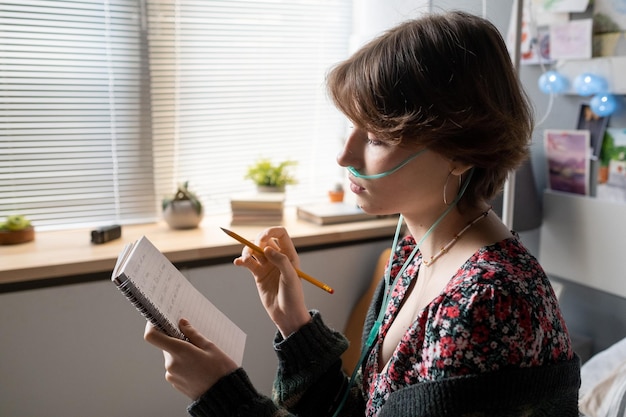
{"points": [[15, 223], [266, 173], [183, 193]]}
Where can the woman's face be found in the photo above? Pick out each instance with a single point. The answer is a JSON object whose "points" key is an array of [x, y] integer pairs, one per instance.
{"points": [[416, 188]]}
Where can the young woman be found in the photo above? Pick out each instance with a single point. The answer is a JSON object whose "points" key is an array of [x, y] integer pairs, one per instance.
{"points": [[464, 321]]}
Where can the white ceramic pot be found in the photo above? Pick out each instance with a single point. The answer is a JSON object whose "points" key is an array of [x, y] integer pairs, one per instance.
{"points": [[182, 214], [270, 189]]}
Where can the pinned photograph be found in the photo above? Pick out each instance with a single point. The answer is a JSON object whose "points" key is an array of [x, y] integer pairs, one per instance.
{"points": [[596, 125], [567, 154]]}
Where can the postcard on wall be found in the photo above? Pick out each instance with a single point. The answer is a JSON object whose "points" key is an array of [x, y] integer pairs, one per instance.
{"points": [[571, 40], [596, 125], [538, 50], [535, 36], [541, 14], [567, 154], [612, 171], [569, 6]]}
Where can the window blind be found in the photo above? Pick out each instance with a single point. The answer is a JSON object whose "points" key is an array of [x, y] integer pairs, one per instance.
{"points": [[74, 136], [101, 117], [234, 81]]}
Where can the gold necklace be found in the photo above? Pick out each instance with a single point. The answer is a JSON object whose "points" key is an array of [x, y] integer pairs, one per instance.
{"points": [[456, 237]]}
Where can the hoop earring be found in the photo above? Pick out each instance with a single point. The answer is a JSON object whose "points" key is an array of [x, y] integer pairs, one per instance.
{"points": [[445, 188]]}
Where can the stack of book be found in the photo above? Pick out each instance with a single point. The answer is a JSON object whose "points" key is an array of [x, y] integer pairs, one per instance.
{"points": [[257, 209], [332, 213]]}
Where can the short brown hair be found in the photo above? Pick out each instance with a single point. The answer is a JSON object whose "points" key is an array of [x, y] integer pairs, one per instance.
{"points": [[445, 82]]}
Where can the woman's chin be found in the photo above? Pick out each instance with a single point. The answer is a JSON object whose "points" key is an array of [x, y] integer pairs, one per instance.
{"points": [[374, 211]]}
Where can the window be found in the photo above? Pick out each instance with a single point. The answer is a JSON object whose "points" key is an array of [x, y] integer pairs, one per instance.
{"points": [[108, 105], [74, 144]]}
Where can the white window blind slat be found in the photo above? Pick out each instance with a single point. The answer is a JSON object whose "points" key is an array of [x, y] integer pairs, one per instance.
{"points": [[98, 122], [249, 73], [71, 116]]}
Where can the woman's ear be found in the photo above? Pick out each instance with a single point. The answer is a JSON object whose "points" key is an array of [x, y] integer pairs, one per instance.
{"points": [[457, 168]]}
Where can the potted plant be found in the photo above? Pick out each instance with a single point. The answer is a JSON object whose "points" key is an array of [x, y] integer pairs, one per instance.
{"points": [[183, 210], [16, 229], [335, 195], [269, 176]]}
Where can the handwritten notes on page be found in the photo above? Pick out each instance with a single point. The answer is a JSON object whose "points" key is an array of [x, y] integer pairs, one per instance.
{"points": [[164, 296]]}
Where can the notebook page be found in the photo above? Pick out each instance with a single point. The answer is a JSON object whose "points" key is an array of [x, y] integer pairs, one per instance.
{"points": [[170, 291]]}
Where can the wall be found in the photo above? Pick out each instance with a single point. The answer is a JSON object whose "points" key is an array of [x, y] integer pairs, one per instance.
{"points": [[590, 313], [374, 16], [78, 350]]}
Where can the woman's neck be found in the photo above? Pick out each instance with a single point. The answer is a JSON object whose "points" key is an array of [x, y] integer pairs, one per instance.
{"points": [[454, 229]]}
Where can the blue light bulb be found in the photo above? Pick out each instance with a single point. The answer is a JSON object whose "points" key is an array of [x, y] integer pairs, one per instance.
{"points": [[551, 82]]}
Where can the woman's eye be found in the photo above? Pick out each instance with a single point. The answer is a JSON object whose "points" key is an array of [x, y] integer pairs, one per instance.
{"points": [[374, 142]]}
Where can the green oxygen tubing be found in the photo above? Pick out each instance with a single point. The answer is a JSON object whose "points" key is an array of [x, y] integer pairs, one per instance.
{"points": [[374, 332]]}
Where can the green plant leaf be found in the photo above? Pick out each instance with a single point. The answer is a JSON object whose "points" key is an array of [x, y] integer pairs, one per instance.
{"points": [[265, 173]]}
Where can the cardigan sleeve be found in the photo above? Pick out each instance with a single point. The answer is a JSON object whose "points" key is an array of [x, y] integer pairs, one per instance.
{"points": [[309, 380], [234, 395]]}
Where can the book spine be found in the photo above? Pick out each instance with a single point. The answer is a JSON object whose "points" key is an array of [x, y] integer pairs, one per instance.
{"points": [[148, 309]]}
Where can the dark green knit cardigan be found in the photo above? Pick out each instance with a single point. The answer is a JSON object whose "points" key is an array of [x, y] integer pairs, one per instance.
{"points": [[309, 383]]}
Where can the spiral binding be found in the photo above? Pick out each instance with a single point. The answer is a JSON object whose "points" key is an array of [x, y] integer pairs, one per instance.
{"points": [[148, 309]]}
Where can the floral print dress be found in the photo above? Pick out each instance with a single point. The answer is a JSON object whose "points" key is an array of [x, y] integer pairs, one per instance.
{"points": [[498, 310]]}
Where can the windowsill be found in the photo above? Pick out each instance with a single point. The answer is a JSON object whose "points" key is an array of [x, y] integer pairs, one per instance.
{"points": [[61, 254]]}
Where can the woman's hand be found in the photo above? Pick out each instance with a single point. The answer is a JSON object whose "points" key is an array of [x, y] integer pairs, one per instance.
{"points": [[278, 284], [192, 368]]}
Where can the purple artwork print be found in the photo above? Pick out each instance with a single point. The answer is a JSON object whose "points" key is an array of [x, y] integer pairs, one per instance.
{"points": [[567, 153]]}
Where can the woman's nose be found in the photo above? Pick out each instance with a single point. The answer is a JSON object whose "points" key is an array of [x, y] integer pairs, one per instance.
{"points": [[343, 156], [347, 156]]}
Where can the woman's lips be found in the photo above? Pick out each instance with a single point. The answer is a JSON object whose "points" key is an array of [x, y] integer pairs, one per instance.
{"points": [[356, 189]]}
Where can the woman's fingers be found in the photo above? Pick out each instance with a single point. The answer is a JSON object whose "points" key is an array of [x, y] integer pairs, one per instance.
{"points": [[159, 339], [194, 336], [192, 366], [167, 343]]}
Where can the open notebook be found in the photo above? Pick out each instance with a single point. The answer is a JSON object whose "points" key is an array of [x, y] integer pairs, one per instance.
{"points": [[163, 295]]}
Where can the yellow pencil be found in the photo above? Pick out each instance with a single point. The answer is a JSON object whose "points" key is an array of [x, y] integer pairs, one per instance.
{"points": [[259, 250]]}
